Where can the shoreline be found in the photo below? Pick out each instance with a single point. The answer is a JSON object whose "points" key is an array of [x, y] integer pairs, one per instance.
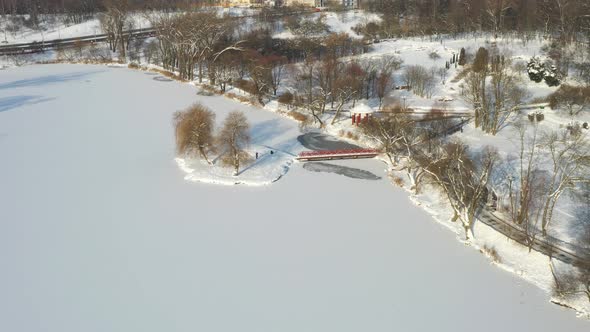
{"points": [[438, 215]]}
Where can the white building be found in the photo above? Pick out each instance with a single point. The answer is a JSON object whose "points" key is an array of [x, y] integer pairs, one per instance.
{"points": [[352, 4]]}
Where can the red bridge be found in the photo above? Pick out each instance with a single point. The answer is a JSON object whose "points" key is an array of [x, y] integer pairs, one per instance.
{"points": [[337, 154]]}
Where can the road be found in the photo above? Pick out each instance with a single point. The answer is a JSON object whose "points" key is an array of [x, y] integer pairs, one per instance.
{"points": [[551, 247]]}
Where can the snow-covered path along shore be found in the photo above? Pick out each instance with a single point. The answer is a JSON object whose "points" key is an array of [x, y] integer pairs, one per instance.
{"points": [[100, 232]]}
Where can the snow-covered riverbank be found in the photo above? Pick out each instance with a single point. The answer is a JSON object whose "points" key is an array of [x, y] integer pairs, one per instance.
{"points": [[100, 232]]}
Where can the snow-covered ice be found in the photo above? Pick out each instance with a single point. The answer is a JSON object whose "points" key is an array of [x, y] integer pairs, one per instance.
{"points": [[100, 231]]}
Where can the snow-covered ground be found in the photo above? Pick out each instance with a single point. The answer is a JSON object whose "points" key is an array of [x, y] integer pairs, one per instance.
{"points": [[100, 232], [58, 30], [52, 26], [337, 22], [417, 51]]}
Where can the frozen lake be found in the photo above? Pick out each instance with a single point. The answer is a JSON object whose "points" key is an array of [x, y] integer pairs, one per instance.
{"points": [[99, 231]]}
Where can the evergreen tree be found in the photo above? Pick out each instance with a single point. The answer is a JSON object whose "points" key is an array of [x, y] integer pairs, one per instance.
{"points": [[462, 59], [536, 69]]}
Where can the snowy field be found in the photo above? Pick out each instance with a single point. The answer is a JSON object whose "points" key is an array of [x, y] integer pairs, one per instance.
{"points": [[341, 22], [101, 232]]}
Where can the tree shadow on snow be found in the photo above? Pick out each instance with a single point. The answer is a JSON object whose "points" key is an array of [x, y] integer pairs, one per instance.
{"points": [[8, 103], [267, 130], [45, 80]]}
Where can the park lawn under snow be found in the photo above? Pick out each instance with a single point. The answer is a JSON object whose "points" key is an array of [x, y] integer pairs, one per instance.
{"points": [[416, 51], [337, 22], [100, 232]]}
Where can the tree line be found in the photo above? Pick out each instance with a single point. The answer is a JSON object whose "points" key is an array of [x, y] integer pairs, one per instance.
{"points": [[566, 18], [34, 7]]}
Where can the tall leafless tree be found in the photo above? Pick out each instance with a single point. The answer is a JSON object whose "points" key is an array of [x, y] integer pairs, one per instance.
{"points": [[464, 180], [233, 139], [113, 23], [570, 163]]}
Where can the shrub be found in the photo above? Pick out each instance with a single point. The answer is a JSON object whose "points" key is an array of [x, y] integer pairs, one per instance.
{"points": [[492, 253], [536, 116], [243, 99], [398, 181], [574, 128], [286, 98], [394, 107], [352, 136], [298, 116], [209, 89], [246, 86], [168, 74]]}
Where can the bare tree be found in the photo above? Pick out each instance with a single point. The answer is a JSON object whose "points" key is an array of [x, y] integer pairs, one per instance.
{"points": [[344, 91], [387, 132], [234, 138], [315, 97], [383, 85], [574, 99], [474, 89], [113, 22], [521, 196], [152, 52], [494, 103], [526, 196], [277, 72], [369, 69], [496, 11], [418, 159], [192, 39], [504, 97], [570, 161], [419, 80], [260, 70], [464, 180], [226, 70], [194, 130]]}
